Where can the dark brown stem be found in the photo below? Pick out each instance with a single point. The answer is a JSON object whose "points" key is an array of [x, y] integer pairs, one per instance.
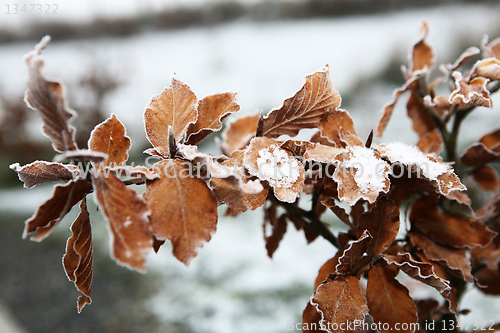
{"points": [[135, 181]]}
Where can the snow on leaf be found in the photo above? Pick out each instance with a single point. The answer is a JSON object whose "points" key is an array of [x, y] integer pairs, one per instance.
{"points": [[451, 229], [40, 172], [428, 166], [265, 159], [389, 301], [472, 93], [176, 106], [78, 259], [183, 209], [338, 128], [382, 222], [340, 301], [350, 260], [423, 55], [127, 217], [212, 110], [306, 109], [454, 259], [110, 138], [238, 132], [361, 174], [48, 98], [51, 212]]}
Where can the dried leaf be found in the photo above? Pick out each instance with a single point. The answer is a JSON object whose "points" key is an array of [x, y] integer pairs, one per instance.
{"points": [[310, 319], [48, 98], [382, 222], [488, 68], [321, 153], [340, 301], [492, 49], [389, 301], [361, 174], [350, 261], [463, 59], [485, 151], [278, 230], [423, 56], [331, 129], [265, 159], [81, 155], [454, 259], [176, 106], [183, 209], [78, 259], [212, 110], [110, 138], [306, 109], [451, 229], [431, 142], [239, 132], [329, 267], [40, 172], [472, 93], [50, 213], [421, 118], [337, 210], [487, 178], [127, 216]]}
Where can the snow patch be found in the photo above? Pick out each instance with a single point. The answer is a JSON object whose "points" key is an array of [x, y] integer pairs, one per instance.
{"points": [[370, 174], [276, 166]]}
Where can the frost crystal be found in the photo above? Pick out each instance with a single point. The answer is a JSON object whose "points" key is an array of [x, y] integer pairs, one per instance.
{"points": [[276, 166], [411, 155], [370, 171]]}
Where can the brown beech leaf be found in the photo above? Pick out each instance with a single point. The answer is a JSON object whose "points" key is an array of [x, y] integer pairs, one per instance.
{"points": [[40, 172], [110, 138], [421, 118], [487, 150], [421, 271], [361, 174], [426, 166], [310, 319], [183, 209], [321, 153], [454, 259], [81, 155], [431, 142], [48, 98], [127, 217], [491, 49], [488, 68], [423, 55], [337, 210], [130, 171], [487, 178], [463, 59], [340, 302], [278, 230], [382, 222], [389, 301], [306, 109], [351, 259], [333, 124], [78, 259], [265, 159], [386, 113], [176, 106], [50, 213], [472, 93], [212, 110], [238, 132], [451, 229], [329, 267]]}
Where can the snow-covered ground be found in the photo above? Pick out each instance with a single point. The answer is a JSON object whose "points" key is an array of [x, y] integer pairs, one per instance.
{"points": [[232, 286]]}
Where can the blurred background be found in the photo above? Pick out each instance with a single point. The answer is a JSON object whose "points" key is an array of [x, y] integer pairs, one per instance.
{"points": [[115, 55]]}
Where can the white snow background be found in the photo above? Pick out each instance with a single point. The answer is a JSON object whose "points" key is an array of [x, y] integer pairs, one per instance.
{"points": [[232, 286]]}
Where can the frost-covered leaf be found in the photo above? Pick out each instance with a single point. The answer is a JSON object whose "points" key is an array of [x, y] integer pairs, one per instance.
{"points": [[351, 259], [132, 171], [463, 59], [426, 166], [389, 301], [491, 49], [361, 174], [472, 93], [51, 212], [306, 109], [338, 128], [40, 172], [110, 138], [431, 142], [488, 68], [176, 106], [212, 110], [78, 259], [340, 301], [48, 98], [487, 150], [454, 259], [321, 153], [451, 229], [265, 159], [127, 217], [81, 155], [382, 222], [310, 319], [183, 209], [239, 131], [423, 55], [422, 121], [329, 267]]}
